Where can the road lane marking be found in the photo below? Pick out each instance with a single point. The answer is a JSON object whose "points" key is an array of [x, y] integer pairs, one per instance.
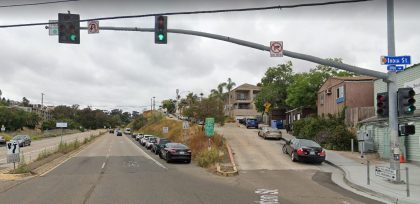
{"points": [[103, 165], [147, 155], [267, 196]]}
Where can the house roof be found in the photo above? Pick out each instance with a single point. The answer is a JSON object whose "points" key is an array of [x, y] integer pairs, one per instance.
{"points": [[356, 78], [247, 86]]}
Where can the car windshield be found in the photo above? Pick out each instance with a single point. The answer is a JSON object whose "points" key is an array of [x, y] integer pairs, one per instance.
{"points": [[308, 143], [19, 137]]}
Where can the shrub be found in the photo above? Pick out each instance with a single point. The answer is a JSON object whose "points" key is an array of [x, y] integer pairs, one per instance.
{"points": [[330, 131], [44, 154], [207, 158]]}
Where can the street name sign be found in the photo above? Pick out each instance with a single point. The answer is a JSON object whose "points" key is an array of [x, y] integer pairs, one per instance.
{"points": [[386, 172], [93, 27], [52, 27], [61, 125], [395, 68], [276, 49], [209, 127], [13, 151], [165, 130], [185, 125], [392, 60]]}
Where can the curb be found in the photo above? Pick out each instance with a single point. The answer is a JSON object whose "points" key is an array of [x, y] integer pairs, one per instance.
{"points": [[232, 161], [361, 188], [226, 173]]}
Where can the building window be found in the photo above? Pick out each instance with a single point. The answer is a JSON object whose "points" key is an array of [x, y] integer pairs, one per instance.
{"points": [[340, 95], [321, 99]]}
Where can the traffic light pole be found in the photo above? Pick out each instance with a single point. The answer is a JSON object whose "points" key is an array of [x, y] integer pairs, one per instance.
{"points": [[392, 97], [343, 66]]}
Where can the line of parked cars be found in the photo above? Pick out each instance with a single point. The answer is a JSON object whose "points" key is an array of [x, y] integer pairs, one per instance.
{"points": [[167, 150]]}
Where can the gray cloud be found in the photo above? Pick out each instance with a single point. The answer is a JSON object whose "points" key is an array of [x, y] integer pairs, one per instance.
{"points": [[116, 69]]}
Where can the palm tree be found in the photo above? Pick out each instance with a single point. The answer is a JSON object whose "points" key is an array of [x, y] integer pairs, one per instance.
{"points": [[229, 85], [218, 93]]}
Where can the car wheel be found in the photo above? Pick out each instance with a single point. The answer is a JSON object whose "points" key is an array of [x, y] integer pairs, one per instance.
{"points": [[188, 161], [264, 137], [294, 159], [160, 155], [284, 149], [167, 159], [29, 144]]}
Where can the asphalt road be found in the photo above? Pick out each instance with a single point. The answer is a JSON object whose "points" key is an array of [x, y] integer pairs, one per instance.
{"points": [[32, 152], [117, 170]]}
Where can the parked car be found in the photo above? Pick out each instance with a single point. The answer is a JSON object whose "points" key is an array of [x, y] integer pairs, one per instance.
{"points": [[175, 151], [119, 133], [133, 135], [241, 121], [111, 130], [251, 122], [269, 132], [23, 140], [160, 143], [2, 140], [304, 150], [139, 136], [127, 131], [144, 139], [150, 142], [200, 122]]}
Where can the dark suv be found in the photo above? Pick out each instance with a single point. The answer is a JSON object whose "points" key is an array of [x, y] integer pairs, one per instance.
{"points": [[160, 143]]}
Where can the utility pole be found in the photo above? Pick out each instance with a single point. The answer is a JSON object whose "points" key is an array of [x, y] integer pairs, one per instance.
{"points": [[151, 104], [392, 93], [154, 103], [42, 100]]}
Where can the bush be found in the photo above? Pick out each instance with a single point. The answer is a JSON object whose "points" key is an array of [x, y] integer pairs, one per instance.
{"points": [[207, 158], [44, 154], [330, 132]]}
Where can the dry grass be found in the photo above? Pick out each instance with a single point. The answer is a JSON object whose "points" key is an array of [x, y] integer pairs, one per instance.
{"points": [[194, 139]]}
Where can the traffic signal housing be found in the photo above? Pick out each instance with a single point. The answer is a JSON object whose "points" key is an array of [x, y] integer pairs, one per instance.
{"points": [[382, 104], [406, 101], [68, 28], [406, 130], [161, 30]]}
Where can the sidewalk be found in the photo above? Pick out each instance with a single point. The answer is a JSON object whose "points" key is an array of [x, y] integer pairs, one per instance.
{"points": [[355, 175]]}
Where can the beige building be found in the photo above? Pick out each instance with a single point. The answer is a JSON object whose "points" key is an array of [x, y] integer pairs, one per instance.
{"points": [[240, 103], [339, 92]]}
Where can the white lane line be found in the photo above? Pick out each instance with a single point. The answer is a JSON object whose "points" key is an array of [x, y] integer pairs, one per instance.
{"points": [[103, 165], [148, 156]]}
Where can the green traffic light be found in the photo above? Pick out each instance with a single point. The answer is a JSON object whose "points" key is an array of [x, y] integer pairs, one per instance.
{"points": [[73, 37], [161, 37]]}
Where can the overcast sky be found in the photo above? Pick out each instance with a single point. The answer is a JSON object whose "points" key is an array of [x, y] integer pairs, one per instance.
{"points": [[125, 69]]}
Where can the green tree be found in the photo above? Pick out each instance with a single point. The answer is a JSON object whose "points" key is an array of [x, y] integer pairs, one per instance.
{"points": [[25, 102], [303, 91], [274, 86], [229, 86], [219, 92], [169, 105]]}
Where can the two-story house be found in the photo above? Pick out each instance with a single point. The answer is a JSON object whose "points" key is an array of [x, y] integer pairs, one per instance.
{"points": [[350, 92], [240, 103]]}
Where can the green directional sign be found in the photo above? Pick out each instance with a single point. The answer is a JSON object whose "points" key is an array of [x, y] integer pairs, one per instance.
{"points": [[209, 127]]}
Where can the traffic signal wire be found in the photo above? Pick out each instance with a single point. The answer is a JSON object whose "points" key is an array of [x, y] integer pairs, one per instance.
{"points": [[34, 4], [198, 12]]}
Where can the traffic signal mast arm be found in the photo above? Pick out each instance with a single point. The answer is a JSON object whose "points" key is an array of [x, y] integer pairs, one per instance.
{"points": [[291, 54]]}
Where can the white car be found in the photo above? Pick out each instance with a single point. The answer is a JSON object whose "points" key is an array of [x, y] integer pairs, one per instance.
{"points": [[127, 131], [150, 142], [139, 136], [269, 132], [144, 139]]}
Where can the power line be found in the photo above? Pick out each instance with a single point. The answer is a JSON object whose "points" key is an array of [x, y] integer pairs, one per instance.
{"points": [[34, 4], [199, 12]]}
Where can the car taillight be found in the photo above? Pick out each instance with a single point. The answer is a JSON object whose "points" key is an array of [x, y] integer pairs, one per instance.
{"points": [[300, 151], [322, 153], [189, 151]]}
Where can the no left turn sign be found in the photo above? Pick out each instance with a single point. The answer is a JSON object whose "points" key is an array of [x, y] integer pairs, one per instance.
{"points": [[276, 49]]}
